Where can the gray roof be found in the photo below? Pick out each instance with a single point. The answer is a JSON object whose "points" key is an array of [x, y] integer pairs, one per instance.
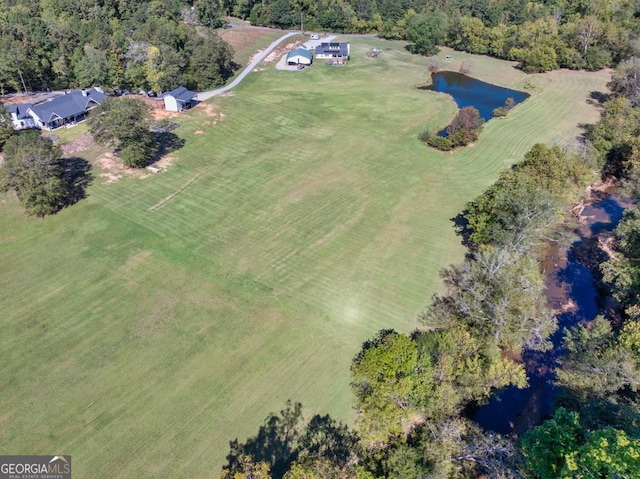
{"points": [[300, 51], [20, 111], [335, 49], [181, 94], [73, 103]]}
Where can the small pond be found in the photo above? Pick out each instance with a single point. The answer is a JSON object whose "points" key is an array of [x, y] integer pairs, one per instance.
{"points": [[467, 91]]}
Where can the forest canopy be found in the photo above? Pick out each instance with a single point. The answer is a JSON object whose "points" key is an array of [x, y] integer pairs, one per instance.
{"points": [[148, 45], [160, 44], [541, 35]]}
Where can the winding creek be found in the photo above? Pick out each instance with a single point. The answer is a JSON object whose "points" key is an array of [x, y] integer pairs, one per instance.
{"points": [[570, 289], [570, 286]]}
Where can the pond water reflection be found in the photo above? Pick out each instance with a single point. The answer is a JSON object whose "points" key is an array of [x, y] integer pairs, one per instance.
{"points": [[467, 91]]}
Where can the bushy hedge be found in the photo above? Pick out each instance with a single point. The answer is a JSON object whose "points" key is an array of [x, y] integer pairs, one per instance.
{"points": [[440, 142]]}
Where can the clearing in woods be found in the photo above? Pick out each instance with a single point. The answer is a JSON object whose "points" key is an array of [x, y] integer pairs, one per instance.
{"points": [[148, 325]]}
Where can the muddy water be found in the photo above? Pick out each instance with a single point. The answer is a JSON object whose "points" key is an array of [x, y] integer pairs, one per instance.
{"points": [[571, 291]]}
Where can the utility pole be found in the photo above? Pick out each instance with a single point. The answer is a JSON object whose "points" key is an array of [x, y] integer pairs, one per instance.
{"points": [[301, 22]]}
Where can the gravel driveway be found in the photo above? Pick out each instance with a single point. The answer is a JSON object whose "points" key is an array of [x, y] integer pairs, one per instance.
{"points": [[309, 45]]}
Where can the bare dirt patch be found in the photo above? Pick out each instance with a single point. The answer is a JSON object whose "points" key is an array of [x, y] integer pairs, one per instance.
{"points": [[280, 50], [164, 162], [198, 132], [209, 109], [157, 108], [78, 145], [114, 169]]}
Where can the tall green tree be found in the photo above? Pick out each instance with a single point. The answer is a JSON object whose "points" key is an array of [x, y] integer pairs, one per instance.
{"points": [[401, 383], [425, 32], [33, 168], [598, 362], [210, 13], [210, 61], [525, 200], [561, 448], [622, 271], [499, 296], [125, 123]]}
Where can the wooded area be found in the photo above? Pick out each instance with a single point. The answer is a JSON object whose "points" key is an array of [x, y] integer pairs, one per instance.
{"points": [[541, 35], [161, 44], [146, 45]]}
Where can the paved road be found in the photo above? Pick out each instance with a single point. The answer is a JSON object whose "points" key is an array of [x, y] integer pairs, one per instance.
{"points": [[205, 95]]}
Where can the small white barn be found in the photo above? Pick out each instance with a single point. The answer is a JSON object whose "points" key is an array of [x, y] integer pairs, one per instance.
{"points": [[179, 99], [299, 56]]}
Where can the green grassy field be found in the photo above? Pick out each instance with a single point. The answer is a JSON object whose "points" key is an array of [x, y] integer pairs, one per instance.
{"points": [[149, 324]]}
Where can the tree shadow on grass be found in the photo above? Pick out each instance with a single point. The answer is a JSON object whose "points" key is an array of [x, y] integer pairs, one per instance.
{"points": [[462, 229], [77, 175], [168, 142], [285, 438], [597, 98]]}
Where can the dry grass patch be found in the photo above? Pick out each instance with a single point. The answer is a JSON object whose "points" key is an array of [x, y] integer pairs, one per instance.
{"points": [[114, 169], [78, 145]]}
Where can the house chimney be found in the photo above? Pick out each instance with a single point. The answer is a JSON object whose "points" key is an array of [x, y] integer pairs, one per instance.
{"points": [[85, 92]]}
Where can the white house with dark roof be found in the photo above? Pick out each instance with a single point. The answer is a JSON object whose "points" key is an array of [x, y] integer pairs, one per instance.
{"points": [[20, 116], [64, 110], [333, 51], [179, 99]]}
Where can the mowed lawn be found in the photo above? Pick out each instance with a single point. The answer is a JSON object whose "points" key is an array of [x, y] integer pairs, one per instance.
{"points": [[148, 325]]}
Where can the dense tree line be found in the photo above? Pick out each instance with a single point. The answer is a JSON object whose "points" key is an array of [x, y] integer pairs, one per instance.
{"points": [[160, 44], [541, 35], [137, 44]]}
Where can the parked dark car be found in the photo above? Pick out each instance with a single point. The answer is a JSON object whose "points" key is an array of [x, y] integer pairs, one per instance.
{"points": [[152, 94]]}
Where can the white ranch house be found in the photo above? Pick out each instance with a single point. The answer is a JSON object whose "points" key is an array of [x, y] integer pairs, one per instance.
{"points": [[59, 111], [333, 51]]}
